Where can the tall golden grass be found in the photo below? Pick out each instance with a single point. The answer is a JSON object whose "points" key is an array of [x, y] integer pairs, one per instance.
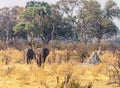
{"points": [[16, 75]]}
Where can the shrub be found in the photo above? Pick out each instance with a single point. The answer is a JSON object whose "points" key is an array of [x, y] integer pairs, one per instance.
{"points": [[115, 70]]}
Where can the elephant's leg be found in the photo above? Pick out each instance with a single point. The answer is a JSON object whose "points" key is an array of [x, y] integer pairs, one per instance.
{"points": [[42, 64], [30, 61], [39, 61], [27, 60]]}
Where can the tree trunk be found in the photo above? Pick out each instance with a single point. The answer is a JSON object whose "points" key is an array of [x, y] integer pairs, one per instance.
{"points": [[85, 39], [45, 40], [7, 37], [52, 33], [99, 40]]}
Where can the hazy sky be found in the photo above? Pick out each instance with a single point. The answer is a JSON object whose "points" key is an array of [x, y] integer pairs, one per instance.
{"points": [[20, 2], [10, 3]]}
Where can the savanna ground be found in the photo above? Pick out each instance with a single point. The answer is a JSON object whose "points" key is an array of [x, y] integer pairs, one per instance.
{"points": [[14, 73]]}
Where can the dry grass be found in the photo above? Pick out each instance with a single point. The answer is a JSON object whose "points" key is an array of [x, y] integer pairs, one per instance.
{"points": [[13, 55], [29, 76], [108, 57], [16, 75]]}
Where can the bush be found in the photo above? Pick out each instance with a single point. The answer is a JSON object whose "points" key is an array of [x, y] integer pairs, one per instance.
{"points": [[115, 67], [17, 44], [68, 83]]}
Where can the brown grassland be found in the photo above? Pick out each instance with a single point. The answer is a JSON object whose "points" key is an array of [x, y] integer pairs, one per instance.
{"points": [[16, 74]]}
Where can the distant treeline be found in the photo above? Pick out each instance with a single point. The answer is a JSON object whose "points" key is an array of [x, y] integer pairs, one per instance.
{"points": [[76, 20]]}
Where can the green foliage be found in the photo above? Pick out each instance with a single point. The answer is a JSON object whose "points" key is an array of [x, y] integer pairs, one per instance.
{"points": [[65, 29], [61, 21], [37, 14], [95, 23], [28, 13], [111, 10], [23, 26]]}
